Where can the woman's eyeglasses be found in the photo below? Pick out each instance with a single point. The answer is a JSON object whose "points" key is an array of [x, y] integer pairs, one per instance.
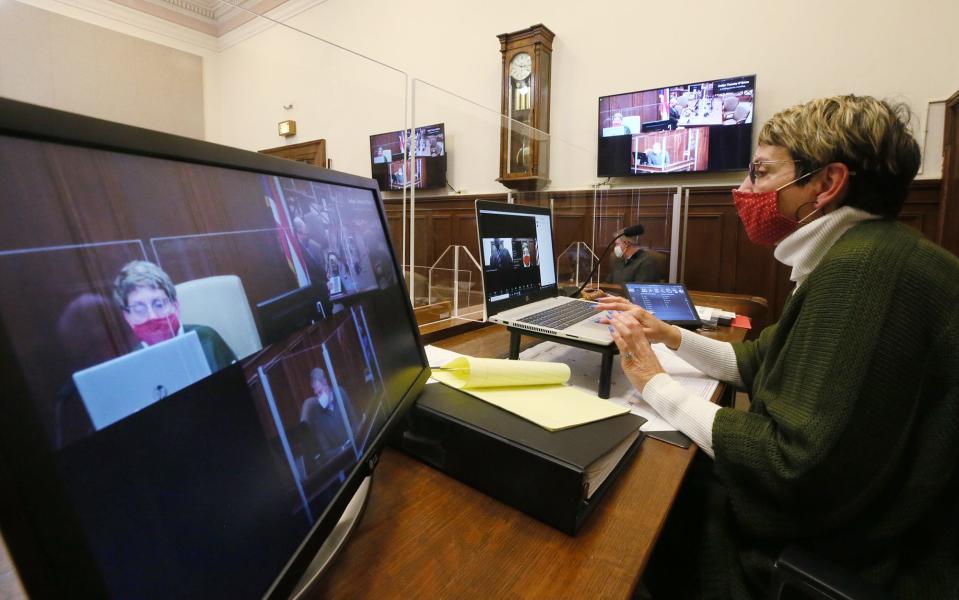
{"points": [[161, 307], [754, 172]]}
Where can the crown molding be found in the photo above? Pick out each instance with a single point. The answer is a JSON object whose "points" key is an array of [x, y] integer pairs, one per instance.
{"points": [[245, 25], [122, 19], [171, 26]]}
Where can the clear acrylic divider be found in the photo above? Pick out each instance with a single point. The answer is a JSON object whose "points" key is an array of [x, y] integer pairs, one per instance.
{"points": [[492, 156], [456, 278]]}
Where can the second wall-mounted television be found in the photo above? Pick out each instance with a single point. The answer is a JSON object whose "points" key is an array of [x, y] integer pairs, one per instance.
{"points": [[703, 126], [426, 168]]}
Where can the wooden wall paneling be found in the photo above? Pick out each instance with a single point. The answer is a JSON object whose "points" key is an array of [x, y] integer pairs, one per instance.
{"points": [[464, 226], [947, 234], [718, 254], [922, 207], [656, 229], [569, 228], [394, 220], [703, 265], [422, 241], [441, 237]]}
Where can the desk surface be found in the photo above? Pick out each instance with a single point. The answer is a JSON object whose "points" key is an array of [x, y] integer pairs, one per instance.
{"points": [[426, 535]]}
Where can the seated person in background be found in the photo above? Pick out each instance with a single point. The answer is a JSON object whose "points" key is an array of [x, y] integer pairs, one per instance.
{"points": [[850, 448], [323, 416], [147, 297], [502, 259], [635, 263], [87, 339], [618, 122], [315, 260], [658, 157]]}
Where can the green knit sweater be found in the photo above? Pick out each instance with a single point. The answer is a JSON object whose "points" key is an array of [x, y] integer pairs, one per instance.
{"points": [[851, 447]]}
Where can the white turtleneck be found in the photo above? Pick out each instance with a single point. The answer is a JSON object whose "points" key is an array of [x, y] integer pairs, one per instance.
{"points": [[802, 250]]}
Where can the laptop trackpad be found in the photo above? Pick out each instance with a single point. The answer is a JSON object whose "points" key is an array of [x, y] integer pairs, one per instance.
{"points": [[591, 330]]}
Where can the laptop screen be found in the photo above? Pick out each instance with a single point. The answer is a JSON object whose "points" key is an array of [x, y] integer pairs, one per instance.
{"points": [[517, 247]]}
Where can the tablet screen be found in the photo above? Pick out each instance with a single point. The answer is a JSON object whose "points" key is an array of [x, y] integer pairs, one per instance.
{"points": [[668, 301]]}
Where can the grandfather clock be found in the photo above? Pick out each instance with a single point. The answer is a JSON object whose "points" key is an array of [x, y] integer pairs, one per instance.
{"points": [[523, 149]]}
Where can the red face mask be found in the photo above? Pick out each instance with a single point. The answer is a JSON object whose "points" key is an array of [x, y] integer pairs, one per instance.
{"points": [[157, 330], [759, 212]]}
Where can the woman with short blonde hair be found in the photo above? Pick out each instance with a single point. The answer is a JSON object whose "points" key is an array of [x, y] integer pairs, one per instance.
{"points": [[850, 447]]}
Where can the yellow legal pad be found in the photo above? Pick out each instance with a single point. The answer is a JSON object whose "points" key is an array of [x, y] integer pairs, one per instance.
{"points": [[533, 390]]}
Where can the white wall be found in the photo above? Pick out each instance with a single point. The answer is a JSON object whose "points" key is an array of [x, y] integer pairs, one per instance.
{"points": [[886, 48], [335, 95], [56, 61]]}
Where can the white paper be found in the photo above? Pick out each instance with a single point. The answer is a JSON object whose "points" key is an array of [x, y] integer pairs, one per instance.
{"points": [[438, 356], [585, 366]]}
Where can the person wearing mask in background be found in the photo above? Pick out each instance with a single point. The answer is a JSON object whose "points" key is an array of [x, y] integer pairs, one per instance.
{"points": [[850, 448], [322, 414], [635, 263]]}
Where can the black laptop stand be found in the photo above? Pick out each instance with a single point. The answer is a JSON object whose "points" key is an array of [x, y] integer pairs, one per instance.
{"points": [[607, 351]]}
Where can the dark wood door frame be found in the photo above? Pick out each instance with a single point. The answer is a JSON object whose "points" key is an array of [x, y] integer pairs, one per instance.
{"points": [[949, 206]]}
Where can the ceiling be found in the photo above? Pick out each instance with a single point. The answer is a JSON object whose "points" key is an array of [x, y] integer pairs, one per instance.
{"points": [[210, 17]]}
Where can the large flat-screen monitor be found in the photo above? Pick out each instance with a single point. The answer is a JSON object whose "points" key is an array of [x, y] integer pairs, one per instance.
{"points": [[426, 167], [201, 352], [703, 126]]}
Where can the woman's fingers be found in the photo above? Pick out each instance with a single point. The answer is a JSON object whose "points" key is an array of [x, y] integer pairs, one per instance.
{"points": [[613, 303], [627, 327], [638, 359]]}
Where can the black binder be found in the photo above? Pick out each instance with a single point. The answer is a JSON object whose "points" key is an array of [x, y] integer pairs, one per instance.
{"points": [[542, 473]]}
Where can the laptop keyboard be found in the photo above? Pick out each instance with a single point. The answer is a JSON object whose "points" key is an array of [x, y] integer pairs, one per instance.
{"points": [[562, 316]]}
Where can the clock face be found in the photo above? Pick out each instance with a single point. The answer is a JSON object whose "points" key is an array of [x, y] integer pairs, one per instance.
{"points": [[521, 66]]}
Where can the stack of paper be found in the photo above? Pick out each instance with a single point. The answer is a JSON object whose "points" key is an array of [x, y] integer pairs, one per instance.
{"points": [[535, 391], [585, 366]]}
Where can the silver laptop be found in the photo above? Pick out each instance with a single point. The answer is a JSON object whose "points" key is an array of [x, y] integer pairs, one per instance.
{"points": [[519, 275], [116, 389]]}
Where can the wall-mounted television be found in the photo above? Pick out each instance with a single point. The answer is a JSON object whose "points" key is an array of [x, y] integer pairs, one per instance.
{"points": [[693, 127], [202, 351], [426, 168]]}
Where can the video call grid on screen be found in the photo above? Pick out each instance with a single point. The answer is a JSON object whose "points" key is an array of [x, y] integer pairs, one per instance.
{"points": [[61, 307], [427, 165], [703, 126], [517, 253]]}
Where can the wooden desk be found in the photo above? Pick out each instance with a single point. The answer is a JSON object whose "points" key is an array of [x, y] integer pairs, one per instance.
{"points": [[425, 535]]}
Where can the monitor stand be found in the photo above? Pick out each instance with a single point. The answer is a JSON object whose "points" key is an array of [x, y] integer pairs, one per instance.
{"points": [[334, 542], [605, 372]]}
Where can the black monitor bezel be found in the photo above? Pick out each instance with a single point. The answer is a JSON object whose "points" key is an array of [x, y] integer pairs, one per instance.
{"points": [[34, 508], [673, 173]]}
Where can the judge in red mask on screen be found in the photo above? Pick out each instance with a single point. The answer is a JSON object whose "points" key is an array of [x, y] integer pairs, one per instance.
{"points": [[147, 297]]}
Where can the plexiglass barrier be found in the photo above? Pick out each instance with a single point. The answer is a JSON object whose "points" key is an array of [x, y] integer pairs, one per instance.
{"points": [[492, 156], [433, 149]]}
